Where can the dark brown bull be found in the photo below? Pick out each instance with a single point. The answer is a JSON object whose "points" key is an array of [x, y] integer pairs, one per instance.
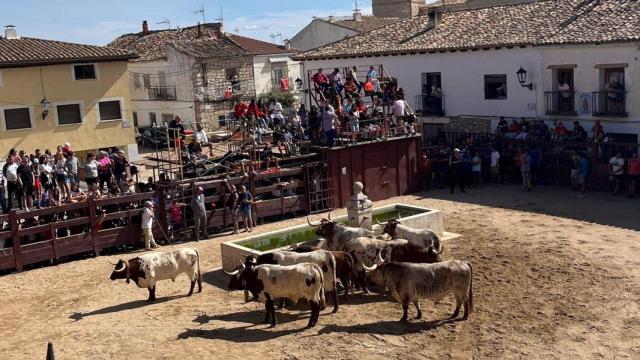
{"points": [[344, 266]]}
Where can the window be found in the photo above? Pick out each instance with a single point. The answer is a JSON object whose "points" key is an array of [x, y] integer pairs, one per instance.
{"points": [[147, 80], [233, 77], [495, 87], [167, 118], [162, 78], [84, 72], [109, 110], [18, 118], [68, 114], [136, 81], [277, 74]]}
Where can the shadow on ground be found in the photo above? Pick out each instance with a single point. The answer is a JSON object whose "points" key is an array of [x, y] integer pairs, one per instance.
{"points": [[598, 207], [77, 316]]}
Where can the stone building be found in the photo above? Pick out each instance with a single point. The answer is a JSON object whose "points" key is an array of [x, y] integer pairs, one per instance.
{"points": [[197, 72]]}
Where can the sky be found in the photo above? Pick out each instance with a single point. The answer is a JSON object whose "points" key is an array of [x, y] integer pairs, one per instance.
{"points": [[98, 22]]}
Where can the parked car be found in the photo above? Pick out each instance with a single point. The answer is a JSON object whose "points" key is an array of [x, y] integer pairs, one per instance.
{"points": [[152, 136]]}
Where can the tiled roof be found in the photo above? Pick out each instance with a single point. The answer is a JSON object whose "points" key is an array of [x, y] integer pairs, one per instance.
{"points": [[258, 47], [534, 23], [32, 52], [367, 23], [152, 46], [207, 48]]}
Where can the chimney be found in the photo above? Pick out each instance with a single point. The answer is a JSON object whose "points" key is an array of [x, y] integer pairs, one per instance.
{"points": [[287, 43], [145, 28], [331, 18], [199, 30], [434, 18], [10, 32], [357, 15]]}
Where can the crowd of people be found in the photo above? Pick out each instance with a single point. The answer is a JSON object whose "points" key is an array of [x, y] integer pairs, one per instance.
{"points": [[44, 179], [524, 129], [498, 162]]}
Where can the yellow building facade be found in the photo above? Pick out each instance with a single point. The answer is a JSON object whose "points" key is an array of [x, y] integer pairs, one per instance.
{"points": [[23, 88], [85, 88]]}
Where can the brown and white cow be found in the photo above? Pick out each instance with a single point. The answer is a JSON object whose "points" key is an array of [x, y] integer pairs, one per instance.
{"points": [[409, 283], [146, 270], [344, 266], [338, 234], [421, 237], [269, 282]]}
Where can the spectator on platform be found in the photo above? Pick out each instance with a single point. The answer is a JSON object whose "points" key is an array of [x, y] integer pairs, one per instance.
{"points": [[91, 170], [176, 129], [616, 171], [240, 109], [26, 184], [304, 116], [321, 80], [560, 130], [61, 175], [633, 172], [335, 79], [329, 124], [352, 75], [120, 165], [275, 109], [71, 167]]}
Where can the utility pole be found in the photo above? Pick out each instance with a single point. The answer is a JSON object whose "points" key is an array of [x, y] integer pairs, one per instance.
{"points": [[165, 22], [201, 12]]}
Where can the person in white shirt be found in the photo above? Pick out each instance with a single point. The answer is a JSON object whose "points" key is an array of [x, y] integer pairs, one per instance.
{"points": [[495, 165], [147, 225], [398, 111], [565, 96], [616, 171], [10, 172], [276, 113]]}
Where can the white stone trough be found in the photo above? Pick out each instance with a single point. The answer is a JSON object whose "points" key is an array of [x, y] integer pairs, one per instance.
{"points": [[234, 252]]}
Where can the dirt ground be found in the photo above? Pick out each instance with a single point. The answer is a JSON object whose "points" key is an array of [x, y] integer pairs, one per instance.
{"points": [[555, 277]]}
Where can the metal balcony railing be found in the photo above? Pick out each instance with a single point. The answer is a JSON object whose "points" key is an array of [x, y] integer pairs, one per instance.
{"points": [[162, 93], [610, 103], [560, 103], [429, 105]]}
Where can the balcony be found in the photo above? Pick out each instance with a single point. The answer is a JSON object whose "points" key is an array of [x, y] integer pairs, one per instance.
{"points": [[163, 93], [561, 103], [610, 103], [429, 105]]}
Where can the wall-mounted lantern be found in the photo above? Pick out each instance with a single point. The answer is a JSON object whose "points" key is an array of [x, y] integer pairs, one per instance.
{"points": [[45, 107], [522, 78]]}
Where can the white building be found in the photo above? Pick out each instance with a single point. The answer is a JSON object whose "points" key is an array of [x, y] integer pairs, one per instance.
{"points": [[473, 56], [187, 71]]}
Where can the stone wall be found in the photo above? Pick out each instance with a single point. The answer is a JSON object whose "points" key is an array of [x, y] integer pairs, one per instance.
{"points": [[211, 78]]}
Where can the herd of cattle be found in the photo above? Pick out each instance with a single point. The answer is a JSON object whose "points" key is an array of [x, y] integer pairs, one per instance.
{"points": [[409, 266]]}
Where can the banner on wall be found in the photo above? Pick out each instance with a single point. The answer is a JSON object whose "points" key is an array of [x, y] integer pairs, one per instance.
{"points": [[585, 103]]}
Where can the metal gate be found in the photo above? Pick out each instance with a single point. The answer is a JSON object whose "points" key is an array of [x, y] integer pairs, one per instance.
{"points": [[320, 194]]}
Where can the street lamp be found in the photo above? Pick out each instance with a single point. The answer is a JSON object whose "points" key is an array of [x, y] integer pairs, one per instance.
{"points": [[522, 78], [45, 107]]}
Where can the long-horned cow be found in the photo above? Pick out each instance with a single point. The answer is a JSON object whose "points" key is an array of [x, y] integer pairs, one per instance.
{"points": [[269, 282], [338, 234], [344, 266], [146, 270], [421, 237], [409, 283], [323, 258]]}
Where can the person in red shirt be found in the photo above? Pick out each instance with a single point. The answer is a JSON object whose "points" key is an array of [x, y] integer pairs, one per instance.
{"points": [[561, 130], [633, 171], [254, 110], [598, 132], [320, 80], [515, 127], [240, 110]]}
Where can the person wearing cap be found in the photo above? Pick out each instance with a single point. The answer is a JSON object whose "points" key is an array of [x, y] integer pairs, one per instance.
{"points": [[199, 213], [147, 225]]}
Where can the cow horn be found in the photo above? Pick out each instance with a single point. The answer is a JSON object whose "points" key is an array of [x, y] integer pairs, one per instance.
{"points": [[369, 269], [110, 263], [440, 249], [378, 221], [312, 224], [399, 217], [233, 273], [380, 257], [329, 216], [124, 267]]}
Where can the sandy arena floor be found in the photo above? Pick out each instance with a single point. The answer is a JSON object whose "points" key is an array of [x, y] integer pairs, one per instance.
{"points": [[560, 286]]}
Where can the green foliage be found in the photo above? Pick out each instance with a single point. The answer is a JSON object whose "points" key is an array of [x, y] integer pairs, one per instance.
{"points": [[287, 99]]}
